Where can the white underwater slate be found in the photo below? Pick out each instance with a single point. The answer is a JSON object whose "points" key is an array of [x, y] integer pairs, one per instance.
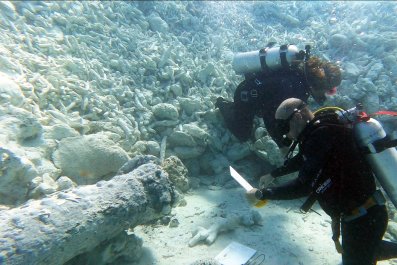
{"points": [[235, 254]]}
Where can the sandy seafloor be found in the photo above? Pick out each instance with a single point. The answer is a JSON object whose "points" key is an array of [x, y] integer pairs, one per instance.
{"points": [[285, 237]]}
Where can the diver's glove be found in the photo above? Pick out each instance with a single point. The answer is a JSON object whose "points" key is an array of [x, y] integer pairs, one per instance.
{"points": [[261, 194], [251, 196], [256, 197]]}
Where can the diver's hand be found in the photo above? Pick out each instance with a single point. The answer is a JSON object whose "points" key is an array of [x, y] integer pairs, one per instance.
{"points": [[265, 180], [251, 196]]}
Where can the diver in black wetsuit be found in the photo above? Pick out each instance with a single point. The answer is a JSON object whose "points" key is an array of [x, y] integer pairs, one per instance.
{"points": [[333, 172], [260, 94]]}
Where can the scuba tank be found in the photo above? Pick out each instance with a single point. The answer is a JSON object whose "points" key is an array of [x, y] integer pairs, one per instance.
{"points": [[268, 59], [379, 150]]}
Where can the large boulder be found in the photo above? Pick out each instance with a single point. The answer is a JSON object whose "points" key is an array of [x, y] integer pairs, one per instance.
{"points": [[89, 158]]}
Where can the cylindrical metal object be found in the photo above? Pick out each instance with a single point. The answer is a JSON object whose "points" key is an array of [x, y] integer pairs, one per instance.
{"points": [[383, 164], [265, 59]]}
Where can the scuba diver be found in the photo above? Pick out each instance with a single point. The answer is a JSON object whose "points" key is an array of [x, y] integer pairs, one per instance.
{"points": [[334, 172], [272, 75]]}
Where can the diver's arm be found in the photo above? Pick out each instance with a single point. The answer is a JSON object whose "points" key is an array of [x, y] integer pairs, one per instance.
{"points": [[294, 164], [296, 188], [315, 159], [289, 191]]}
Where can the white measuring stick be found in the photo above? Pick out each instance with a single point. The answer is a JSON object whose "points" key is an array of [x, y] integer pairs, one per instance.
{"points": [[240, 179]]}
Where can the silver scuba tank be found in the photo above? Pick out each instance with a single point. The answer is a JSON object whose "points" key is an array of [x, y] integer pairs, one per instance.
{"points": [[384, 163], [265, 59], [379, 150]]}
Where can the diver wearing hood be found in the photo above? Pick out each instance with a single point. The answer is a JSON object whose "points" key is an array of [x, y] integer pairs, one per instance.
{"points": [[262, 91]]}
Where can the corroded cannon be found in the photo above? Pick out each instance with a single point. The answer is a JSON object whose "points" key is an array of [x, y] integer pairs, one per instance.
{"points": [[63, 225]]}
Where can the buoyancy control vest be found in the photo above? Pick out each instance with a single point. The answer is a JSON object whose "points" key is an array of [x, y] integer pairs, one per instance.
{"points": [[374, 144]]}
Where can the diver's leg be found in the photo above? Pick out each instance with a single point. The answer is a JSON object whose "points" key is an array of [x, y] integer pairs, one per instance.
{"points": [[361, 237], [386, 250]]}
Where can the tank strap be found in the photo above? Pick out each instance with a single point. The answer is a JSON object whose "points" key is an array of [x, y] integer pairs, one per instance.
{"points": [[262, 58], [379, 145], [283, 56], [307, 205]]}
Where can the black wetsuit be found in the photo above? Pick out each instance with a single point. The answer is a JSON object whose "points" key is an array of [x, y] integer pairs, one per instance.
{"points": [[333, 171], [260, 95]]}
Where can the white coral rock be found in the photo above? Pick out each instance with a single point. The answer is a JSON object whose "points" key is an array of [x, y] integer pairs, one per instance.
{"points": [[165, 111], [87, 159], [157, 23], [10, 92]]}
